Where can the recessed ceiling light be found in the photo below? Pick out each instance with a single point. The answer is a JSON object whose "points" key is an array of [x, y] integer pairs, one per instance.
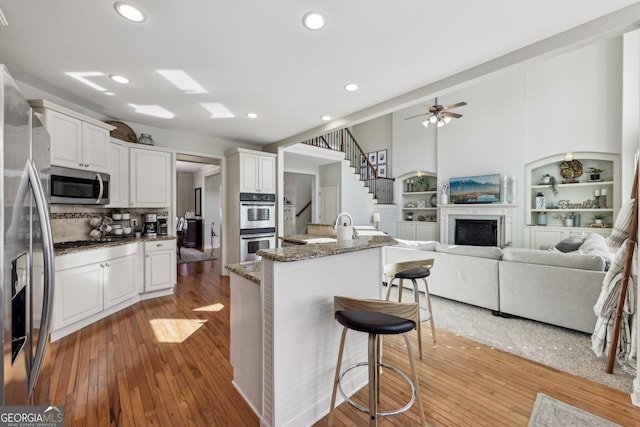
{"points": [[351, 87], [325, 118], [119, 79], [313, 20], [129, 12], [252, 115]]}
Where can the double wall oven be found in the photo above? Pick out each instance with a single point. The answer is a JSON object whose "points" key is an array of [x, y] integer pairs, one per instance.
{"points": [[257, 224]]}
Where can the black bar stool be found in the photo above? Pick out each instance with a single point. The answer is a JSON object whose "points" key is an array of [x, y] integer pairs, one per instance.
{"points": [[376, 317], [413, 270]]}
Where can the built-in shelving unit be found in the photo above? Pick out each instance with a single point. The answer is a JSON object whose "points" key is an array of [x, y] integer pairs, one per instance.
{"points": [[419, 210], [572, 210]]}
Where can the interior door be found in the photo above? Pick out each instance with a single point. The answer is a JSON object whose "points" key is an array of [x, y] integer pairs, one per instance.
{"points": [[328, 203]]}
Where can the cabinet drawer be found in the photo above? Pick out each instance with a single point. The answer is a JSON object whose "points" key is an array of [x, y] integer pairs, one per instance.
{"points": [[159, 245]]}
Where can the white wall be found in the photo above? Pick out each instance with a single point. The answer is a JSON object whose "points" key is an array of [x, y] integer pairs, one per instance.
{"points": [[211, 206], [375, 135], [184, 193]]}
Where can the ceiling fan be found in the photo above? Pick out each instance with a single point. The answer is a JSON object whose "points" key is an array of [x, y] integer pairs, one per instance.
{"points": [[439, 115]]}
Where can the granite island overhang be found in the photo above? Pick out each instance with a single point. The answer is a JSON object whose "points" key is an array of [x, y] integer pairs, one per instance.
{"points": [[284, 338]]}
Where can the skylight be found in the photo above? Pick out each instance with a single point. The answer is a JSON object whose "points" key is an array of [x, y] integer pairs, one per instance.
{"points": [[81, 76], [217, 110], [182, 81], [153, 110]]}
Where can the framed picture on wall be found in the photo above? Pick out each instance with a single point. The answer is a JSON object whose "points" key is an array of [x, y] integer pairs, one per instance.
{"points": [[373, 157], [382, 157], [382, 170]]}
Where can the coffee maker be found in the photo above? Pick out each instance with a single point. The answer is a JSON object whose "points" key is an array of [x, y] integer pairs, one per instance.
{"points": [[163, 227], [150, 227]]}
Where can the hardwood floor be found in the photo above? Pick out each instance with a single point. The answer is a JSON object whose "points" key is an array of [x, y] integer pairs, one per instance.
{"points": [[165, 362]]}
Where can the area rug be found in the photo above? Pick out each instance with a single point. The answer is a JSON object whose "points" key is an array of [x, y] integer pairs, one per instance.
{"points": [[559, 348], [193, 255], [548, 411]]}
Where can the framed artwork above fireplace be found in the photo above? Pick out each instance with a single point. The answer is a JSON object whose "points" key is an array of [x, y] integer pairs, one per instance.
{"points": [[475, 189]]}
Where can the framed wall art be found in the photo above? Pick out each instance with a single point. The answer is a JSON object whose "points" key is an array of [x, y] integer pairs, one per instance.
{"points": [[382, 157], [382, 170]]}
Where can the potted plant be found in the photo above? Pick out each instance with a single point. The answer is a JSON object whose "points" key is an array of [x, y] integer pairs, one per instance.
{"points": [[422, 184], [599, 217], [116, 214], [137, 231], [594, 173]]}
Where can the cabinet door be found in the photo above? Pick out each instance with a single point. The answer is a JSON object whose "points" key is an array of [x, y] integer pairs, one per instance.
{"points": [[425, 231], [159, 270], [119, 175], [249, 173], [66, 139], [95, 147], [405, 230], [119, 280], [78, 294], [267, 174], [546, 238], [150, 178]]}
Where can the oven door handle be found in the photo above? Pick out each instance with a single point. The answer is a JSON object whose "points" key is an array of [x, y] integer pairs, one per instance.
{"points": [[256, 236], [258, 204]]}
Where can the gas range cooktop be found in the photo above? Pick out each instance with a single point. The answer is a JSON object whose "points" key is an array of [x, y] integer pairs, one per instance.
{"points": [[78, 244]]}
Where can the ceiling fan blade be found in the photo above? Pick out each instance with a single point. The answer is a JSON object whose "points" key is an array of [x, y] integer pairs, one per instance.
{"points": [[459, 104], [450, 114], [413, 117]]}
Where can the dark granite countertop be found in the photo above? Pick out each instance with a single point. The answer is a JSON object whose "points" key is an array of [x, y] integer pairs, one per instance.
{"points": [[114, 241], [250, 270], [302, 252]]}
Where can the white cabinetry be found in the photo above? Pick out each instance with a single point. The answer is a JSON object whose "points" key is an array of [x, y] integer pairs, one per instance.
{"points": [[119, 175], [257, 173], [149, 178], [159, 265], [419, 211], [572, 209], [93, 284], [77, 141]]}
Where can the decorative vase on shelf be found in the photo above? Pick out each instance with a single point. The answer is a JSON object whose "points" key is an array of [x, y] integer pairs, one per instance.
{"points": [[444, 198], [145, 139]]}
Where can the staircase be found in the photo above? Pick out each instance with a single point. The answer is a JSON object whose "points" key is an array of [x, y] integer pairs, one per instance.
{"points": [[380, 187]]}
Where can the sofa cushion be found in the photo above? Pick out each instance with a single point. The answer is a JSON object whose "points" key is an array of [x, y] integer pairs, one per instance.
{"points": [[429, 245], [491, 252], [571, 244], [557, 259]]}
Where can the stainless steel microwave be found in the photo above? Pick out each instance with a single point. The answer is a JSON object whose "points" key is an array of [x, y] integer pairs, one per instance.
{"points": [[78, 187]]}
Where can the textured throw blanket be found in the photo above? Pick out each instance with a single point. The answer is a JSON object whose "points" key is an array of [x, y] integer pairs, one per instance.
{"points": [[605, 310]]}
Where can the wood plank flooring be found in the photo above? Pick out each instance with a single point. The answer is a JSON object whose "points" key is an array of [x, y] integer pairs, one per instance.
{"points": [[165, 362]]}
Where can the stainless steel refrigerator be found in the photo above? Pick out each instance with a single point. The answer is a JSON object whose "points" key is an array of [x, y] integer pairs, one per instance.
{"points": [[25, 244]]}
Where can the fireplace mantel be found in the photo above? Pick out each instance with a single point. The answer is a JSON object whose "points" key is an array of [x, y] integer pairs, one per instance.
{"points": [[505, 211]]}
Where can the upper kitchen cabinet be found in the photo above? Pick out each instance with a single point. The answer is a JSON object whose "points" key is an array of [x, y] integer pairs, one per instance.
{"points": [[77, 141], [119, 174], [150, 172], [257, 171]]}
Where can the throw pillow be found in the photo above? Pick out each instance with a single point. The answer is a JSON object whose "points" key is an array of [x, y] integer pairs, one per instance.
{"points": [[622, 226], [569, 245]]}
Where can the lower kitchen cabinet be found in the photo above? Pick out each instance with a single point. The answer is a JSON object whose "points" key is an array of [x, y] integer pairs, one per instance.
{"points": [[92, 284], [159, 265]]}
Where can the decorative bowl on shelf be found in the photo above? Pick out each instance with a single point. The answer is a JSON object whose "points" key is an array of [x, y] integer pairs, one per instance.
{"points": [[433, 201]]}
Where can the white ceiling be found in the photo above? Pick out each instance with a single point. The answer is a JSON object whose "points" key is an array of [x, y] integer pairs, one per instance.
{"points": [[255, 56]]}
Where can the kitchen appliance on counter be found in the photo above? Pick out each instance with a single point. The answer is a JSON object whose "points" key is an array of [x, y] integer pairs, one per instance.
{"points": [[163, 227], [150, 226], [257, 224], [26, 246], [79, 187]]}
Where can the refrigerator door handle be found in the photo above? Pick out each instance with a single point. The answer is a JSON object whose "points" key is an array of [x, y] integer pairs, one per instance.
{"points": [[101, 187], [47, 248]]}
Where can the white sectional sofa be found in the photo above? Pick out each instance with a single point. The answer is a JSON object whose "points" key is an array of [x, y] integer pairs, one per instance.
{"points": [[547, 286]]}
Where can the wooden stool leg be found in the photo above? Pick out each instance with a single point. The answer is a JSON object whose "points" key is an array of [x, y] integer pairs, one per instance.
{"points": [[337, 376], [428, 297], [416, 381], [400, 290], [416, 298], [389, 286], [373, 381]]}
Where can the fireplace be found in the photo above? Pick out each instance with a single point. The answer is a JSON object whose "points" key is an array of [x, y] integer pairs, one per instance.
{"points": [[477, 232]]}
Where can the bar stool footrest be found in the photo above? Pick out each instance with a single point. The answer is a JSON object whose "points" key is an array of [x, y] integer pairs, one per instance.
{"points": [[361, 408]]}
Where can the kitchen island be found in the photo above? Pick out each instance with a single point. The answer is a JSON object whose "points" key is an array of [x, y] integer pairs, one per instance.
{"points": [[283, 332]]}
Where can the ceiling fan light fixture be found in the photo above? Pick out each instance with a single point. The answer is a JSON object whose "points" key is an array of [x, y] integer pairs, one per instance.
{"points": [[441, 123], [426, 123], [433, 118], [447, 120]]}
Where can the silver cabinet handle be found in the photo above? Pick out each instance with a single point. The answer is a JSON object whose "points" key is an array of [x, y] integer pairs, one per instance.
{"points": [[101, 187]]}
